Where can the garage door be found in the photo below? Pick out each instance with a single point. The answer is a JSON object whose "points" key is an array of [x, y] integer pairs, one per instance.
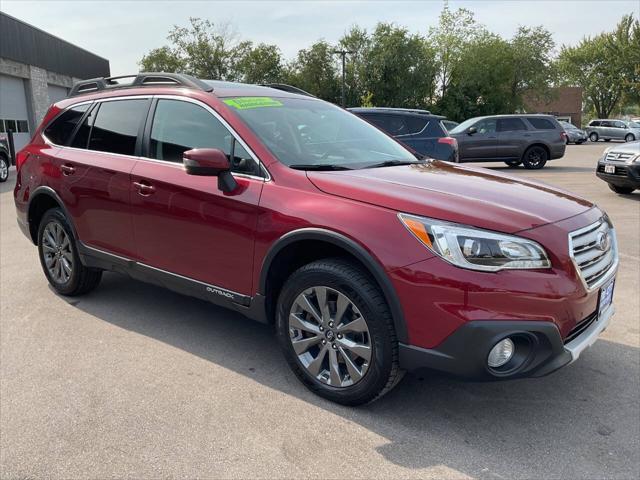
{"points": [[57, 93], [13, 110]]}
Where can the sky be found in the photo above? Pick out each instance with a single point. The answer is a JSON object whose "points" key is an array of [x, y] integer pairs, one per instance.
{"points": [[123, 31]]}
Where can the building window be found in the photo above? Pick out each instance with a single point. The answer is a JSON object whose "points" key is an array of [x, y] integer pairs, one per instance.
{"points": [[23, 126]]}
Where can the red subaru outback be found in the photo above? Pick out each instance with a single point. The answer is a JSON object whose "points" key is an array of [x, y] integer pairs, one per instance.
{"points": [[368, 259]]}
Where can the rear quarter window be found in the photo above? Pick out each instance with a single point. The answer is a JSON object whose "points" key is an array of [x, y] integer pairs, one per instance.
{"points": [[594, 123], [541, 123], [60, 130]]}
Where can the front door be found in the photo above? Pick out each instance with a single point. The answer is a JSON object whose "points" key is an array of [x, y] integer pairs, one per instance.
{"points": [[481, 145], [184, 224], [95, 174]]}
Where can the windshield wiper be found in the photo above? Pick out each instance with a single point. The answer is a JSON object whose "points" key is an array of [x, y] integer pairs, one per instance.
{"points": [[318, 166], [393, 163]]}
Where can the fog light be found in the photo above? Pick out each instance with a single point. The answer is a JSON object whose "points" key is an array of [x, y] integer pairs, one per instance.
{"points": [[501, 353]]}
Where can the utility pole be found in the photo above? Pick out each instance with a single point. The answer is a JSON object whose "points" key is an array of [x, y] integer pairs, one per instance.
{"points": [[343, 53]]}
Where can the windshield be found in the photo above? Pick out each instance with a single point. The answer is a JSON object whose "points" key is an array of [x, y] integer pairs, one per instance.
{"points": [[308, 132], [634, 125], [568, 125], [464, 125]]}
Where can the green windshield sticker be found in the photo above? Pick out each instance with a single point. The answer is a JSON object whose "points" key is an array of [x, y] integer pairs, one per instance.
{"points": [[245, 103]]}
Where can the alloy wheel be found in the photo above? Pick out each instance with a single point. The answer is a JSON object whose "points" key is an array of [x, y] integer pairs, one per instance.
{"points": [[58, 256], [330, 336], [4, 169], [535, 156]]}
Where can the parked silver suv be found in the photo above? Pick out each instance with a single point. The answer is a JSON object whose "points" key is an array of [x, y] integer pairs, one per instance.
{"points": [[611, 129]]}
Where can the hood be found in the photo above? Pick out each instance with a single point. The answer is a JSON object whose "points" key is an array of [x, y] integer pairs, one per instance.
{"points": [[445, 191]]}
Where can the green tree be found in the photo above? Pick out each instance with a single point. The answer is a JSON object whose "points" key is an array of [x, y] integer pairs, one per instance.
{"points": [[400, 68], [356, 40], [481, 83], [605, 66], [455, 30], [202, 49], [532, 69], [315, 71], [260, 64]]}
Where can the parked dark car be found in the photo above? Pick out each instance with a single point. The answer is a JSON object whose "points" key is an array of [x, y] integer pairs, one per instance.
{"points": [[419, 129], [574, 134], [296, 213], [530, 140], [5, 160], [449, 124], [620, 167]]}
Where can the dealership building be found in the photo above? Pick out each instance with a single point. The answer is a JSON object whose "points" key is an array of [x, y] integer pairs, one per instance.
{"points": [[36, 70]]}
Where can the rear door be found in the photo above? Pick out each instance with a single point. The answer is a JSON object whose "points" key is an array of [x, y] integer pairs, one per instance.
{"points": [[513, 138], [619, 130], [184, 224], [95, 173], [482, 145]]}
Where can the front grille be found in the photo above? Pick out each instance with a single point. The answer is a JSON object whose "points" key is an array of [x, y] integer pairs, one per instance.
{"points": [[581, 327], [619, 156], [592, 254], [619, 170]]}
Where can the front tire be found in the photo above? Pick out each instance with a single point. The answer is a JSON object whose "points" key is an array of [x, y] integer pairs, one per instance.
{"points": [[593, 136], [535, 158], [59, 257], [336, 331], [629, 137], [513, 163], [4, 169], [621, 190]]}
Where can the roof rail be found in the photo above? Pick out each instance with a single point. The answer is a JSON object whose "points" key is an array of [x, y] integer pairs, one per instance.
{"points": [[287, 88], [146, 79]]}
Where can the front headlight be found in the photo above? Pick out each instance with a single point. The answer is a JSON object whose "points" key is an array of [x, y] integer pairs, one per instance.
{"points": [[476, 249]]}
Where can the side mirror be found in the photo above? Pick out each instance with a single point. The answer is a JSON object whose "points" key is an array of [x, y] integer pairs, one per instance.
{"points": [[472, 130], [210, 162]]}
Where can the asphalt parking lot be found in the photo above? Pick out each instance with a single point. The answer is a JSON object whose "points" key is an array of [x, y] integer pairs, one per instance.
{"points": [[133, 381]]}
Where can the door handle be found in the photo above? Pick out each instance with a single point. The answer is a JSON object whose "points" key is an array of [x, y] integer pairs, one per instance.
{"points": [[144, 188], [67, 169]]}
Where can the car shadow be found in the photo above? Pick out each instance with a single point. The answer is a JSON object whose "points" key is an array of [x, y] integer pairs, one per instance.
{"points": [[567, 425]]}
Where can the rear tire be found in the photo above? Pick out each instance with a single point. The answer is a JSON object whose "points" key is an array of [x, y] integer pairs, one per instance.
{"points": [[535, 158], [325, 354], [629, 137], [4, 169], [621, 190], [513, 163], [593, 136], [59, 257], [607, 139]]}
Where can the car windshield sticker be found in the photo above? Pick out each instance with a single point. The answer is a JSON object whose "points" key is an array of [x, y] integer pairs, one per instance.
{"points": [[244, 103]]}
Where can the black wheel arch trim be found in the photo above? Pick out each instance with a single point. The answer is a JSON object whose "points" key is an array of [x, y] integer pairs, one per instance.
{"points": [[50, 192], [352, 247]]}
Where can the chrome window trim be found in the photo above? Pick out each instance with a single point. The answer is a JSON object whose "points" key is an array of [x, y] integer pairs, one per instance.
{"points": [[614, 249], [165, 162]]}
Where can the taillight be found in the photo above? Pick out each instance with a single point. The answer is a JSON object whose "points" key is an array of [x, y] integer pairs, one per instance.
{"points": [[21, 157], [563, 136], [449, 141]]}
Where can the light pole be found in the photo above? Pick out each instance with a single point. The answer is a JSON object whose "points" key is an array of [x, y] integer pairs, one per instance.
{"points": [[343, 53]]}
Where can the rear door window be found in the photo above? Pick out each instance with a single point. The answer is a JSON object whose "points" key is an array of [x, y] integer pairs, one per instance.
{"points": [[116, 127], [541, 123], [60, 130], [510, 125], [414, 124]]}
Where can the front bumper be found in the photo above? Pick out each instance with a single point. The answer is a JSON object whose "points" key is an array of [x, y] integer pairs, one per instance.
{"points": [[626, 175], [465, 352]]}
